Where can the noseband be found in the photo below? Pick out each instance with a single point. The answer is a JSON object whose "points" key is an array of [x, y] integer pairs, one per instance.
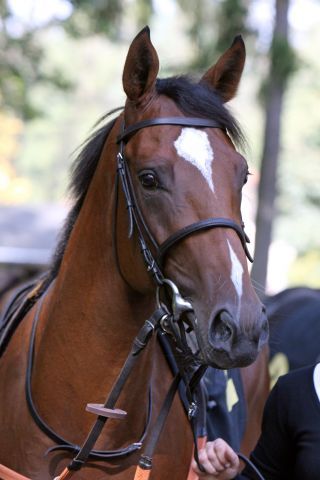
{"points": [[136, 218]]}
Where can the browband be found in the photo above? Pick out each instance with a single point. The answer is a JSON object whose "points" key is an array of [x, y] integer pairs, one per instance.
{"points": [[181, 121]]}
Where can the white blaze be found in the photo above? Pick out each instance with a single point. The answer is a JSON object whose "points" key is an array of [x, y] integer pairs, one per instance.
{"points": [[193, 145], [236, 271]]}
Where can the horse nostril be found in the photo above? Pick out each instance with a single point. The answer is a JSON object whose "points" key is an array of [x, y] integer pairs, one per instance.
{"points": [[221, 328], [223, 332]]}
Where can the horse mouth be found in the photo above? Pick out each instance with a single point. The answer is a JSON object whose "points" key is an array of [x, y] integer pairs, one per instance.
{"points": [[241, 354], [225, 360], [224, 343]]}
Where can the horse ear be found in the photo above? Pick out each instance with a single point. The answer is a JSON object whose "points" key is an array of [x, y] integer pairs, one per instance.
{"points": [[141, 67], [225, 75]]}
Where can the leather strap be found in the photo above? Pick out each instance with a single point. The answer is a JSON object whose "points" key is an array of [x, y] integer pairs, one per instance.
{"points": [[18, 306], [201, 443], [136, 219], [251, 466], [87, 450], [138, 344], [194, 122], [197, 227], [145, 461]]}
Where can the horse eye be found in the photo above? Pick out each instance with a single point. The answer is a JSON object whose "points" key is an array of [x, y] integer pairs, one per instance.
{"points": [[148, 180], [246, 177]]}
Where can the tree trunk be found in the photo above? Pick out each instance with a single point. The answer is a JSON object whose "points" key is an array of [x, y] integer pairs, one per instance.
{"points": [[269, 164]]}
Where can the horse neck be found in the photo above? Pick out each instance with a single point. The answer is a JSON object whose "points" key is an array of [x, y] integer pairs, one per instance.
{"points": [[91, 315]]}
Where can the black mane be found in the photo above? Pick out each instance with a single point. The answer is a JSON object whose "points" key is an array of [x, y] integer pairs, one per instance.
{"points": [[82, 171], [198, 99], [192, 98]]}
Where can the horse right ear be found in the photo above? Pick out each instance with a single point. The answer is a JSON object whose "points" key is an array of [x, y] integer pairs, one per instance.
{"points": [[141, 67], [225, 75]]}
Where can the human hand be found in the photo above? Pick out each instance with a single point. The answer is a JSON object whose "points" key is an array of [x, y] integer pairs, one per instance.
{"points": [[219, 461]]}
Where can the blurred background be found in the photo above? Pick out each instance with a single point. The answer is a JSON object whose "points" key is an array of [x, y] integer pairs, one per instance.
{"points": [[60, 70]]}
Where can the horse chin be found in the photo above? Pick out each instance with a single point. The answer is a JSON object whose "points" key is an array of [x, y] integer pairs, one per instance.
{"points": [[237, 357], [226, 360]]}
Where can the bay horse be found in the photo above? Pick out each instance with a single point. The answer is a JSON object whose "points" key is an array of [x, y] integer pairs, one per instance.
{"points": [[163, 179]]}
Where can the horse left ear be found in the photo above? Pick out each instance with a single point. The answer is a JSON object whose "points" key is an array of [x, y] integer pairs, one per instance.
{"points": [[141, 67], [225, 75]]}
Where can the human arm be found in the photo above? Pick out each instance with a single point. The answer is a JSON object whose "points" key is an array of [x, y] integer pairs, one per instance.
{"points": [[274, 454]]}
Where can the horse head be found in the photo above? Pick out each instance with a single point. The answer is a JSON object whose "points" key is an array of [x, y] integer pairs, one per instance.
{"points": [[187, 174]]}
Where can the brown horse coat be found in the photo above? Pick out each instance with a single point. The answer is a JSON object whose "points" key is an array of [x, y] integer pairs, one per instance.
{"points": [[96, 304]]}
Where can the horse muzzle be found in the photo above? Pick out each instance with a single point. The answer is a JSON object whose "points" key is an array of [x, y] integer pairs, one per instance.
{"points": [[228, 344]]}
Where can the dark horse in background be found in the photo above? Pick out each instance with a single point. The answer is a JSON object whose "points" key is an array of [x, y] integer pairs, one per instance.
{"points": [[294, 317], [165, 170], [294, 332]]}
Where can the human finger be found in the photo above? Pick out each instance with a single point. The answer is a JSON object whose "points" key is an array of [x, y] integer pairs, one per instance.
{"points": [[224, 454], [216, 454], [206, 462]]}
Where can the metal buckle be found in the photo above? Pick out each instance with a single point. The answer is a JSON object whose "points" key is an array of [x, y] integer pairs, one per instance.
{"points": [[193, 410]]}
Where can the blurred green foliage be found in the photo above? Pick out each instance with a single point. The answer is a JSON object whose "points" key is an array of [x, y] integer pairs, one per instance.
{"points": [[306, 269], [104, 17], [213, 25], [231, 21], [22, 67], [283, 59], [22, 57], [97, 16], [22, 54]]}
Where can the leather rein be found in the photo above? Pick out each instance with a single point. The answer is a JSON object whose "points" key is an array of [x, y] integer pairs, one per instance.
{"points": [[171, 321]]}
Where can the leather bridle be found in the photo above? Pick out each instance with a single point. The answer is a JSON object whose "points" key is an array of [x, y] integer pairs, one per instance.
{"points": [[155, 262]]}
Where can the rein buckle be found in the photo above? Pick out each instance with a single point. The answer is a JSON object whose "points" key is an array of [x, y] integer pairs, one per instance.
{"points": [[192, 410]]}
